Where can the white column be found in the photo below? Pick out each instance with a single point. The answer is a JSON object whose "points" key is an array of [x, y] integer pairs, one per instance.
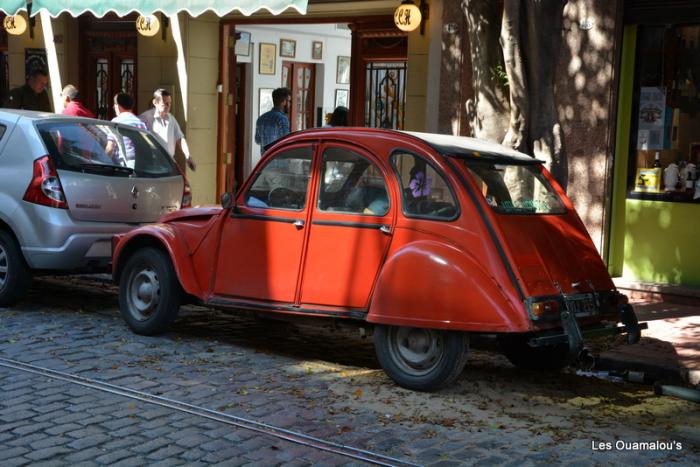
{"points": [[181, 64], [52, 61]]}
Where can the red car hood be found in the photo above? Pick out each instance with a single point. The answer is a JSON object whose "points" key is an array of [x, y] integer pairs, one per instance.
{"points": [[553, 248]]}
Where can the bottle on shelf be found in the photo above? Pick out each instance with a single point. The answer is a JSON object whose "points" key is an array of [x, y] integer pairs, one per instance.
{"points": [[657, 160]]}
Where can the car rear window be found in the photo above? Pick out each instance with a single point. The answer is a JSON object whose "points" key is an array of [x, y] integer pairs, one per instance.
{"points": [[106, 149], [515, 189]]}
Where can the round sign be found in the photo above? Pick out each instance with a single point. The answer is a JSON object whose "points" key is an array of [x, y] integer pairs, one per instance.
{"points": [[407, 17], [15, 24], [148, 25]]}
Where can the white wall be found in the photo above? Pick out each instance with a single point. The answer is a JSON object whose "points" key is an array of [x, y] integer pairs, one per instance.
{"points": [[336, 42]]}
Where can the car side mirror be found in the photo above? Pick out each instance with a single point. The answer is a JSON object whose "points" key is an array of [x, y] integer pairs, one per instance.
{"points": [[227, 200]]}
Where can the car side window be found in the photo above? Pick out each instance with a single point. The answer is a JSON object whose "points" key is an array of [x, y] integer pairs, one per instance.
{"points": [[283, 182], [2, 130], [424, 191], [351, 183]]}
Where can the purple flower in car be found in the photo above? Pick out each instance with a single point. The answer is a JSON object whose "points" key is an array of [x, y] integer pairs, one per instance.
{"points": [[420, 185]]}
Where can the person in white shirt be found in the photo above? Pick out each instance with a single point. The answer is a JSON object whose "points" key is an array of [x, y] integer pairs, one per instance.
{"points": [[163, 124]]}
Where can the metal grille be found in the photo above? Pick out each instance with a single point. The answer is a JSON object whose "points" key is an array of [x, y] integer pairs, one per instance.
{"points": [[385, 95], [102, 89], [127, 76]]}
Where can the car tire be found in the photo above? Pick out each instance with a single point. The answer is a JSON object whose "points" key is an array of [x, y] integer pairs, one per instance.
{"points": [[421, 359], [149, 292], [546, 358], [15, 277]]}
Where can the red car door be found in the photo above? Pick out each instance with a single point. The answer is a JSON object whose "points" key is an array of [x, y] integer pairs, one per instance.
{"points": [[262, 241], [351, 224]]}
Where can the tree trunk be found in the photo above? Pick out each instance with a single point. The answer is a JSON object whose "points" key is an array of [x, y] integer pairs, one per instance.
{"points": [[511, 43], [488, 111], [522, 115], [544, 36]]}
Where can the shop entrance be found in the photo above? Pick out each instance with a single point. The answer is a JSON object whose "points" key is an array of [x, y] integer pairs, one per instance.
{"points": [[108, 61]]}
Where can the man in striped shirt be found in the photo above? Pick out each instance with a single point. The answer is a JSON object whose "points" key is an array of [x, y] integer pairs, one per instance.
{"points": [[123, 107]]}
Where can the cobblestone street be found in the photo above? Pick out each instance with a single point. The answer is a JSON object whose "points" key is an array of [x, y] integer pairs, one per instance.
{"points": [[79, 387]]}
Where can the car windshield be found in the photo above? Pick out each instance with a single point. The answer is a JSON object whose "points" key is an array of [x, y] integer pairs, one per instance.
{"points": [[105, 149], [515, 189]]}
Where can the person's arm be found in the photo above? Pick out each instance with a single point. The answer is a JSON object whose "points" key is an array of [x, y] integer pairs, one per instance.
{"points": [[258, 140], [186, 151], [182, 143]]}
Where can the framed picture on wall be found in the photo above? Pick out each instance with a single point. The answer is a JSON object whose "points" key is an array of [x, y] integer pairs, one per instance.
{"points": [[268, 55], [242, 43], [265, 100], [342, 75], [288, 48], [341, 97], [316, 50]]}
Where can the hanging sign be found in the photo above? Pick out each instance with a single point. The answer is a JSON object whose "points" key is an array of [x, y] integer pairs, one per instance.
{"points": [[148, 25], [15, 24]]}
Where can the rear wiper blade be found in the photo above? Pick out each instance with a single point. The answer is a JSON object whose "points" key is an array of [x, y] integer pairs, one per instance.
{"points": [[107, 169]]}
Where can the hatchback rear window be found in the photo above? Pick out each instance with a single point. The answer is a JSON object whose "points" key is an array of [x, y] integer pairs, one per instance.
{"points": [[106, 149], [515, 189]]}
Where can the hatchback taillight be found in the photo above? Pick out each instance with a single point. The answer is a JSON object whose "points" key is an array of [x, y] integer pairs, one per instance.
{"points": [[186, 195], [45, 187]]}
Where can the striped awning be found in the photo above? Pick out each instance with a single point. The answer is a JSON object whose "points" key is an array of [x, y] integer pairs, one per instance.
{"points": [[168, 7]]}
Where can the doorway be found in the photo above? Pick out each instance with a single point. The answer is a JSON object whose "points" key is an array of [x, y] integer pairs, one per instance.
{"points": [[108, 61]]}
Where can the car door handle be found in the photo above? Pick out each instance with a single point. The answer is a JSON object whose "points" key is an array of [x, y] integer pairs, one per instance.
{"points": [[299, 224], [385, 229]]}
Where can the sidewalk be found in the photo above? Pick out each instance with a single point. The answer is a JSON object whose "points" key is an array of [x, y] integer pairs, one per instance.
{"points": [[669, 350]]}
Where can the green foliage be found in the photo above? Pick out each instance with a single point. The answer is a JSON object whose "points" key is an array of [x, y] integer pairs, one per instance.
{"points": [[499, 75]]}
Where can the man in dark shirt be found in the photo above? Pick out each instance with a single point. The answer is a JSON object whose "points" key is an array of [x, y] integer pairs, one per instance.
{"points": [[31, 96], [274, 124]]}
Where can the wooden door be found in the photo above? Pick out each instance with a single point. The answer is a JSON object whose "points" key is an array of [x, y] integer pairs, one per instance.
{"points": [[300, 78], [108, 63]]}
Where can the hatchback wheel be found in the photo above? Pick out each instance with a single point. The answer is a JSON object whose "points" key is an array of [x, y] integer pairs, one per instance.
{"points": [[421, 359], [546, 358], [149, 292], [15, 277]]}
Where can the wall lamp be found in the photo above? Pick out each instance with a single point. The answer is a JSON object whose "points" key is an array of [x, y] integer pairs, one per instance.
{"points": [[149, 25], [408, 16]]}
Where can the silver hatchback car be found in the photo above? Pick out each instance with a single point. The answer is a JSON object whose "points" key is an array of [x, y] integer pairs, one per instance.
{"points": [[67, 185]]}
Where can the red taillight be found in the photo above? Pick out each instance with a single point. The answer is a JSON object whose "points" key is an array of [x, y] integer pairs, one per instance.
{"points": [[186, 195], [45, 187]]}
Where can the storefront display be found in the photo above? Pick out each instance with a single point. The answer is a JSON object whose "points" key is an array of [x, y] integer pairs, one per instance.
{"points": [[665, 139]]}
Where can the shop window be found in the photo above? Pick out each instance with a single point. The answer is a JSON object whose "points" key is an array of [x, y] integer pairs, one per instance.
{"points": [[665, 141]]}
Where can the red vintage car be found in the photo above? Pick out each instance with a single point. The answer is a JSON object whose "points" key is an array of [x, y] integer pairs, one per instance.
{"points": [[424, 239]]}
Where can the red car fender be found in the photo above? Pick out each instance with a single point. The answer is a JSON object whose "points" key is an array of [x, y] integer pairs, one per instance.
{"points": [[165, 236], [464, 296]]}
